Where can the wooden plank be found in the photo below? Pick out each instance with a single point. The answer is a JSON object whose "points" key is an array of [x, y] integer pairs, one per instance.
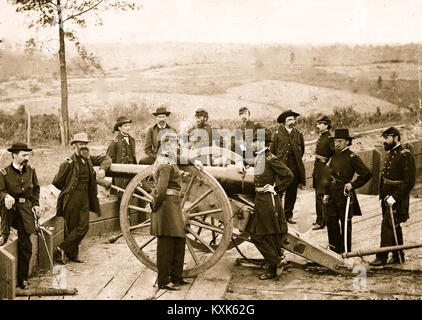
{"points": [[7, 274], [143, 287], [103, 226], [43, 252]]}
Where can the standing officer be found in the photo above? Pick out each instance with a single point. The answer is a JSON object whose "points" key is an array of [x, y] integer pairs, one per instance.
{"points": [[289, 147], [19, 202], [200, 138], [76, 179], [153, 137], [242, 143], [397, 180], [344, 164], [122, 148], [268, 222], [323, 152], [167, 221]]}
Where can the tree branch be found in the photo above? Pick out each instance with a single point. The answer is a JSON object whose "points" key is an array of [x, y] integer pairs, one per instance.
{"points": [[82, 12]]}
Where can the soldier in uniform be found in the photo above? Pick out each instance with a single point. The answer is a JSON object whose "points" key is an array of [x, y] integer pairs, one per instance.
{"points": [[76, 179], [344, 164], [19, 202], [167, 221], [199, 139], [153, 137], [397, 180], [268, 222], [323, 151], [242, 142], [289, 146], [122, 148]]}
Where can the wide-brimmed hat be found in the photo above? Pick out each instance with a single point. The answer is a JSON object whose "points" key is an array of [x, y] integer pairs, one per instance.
{"points": [[161, 110], [391, 132], [201, 112], [325, 120], [342, 134], [282, 117], [19, 146], [79, 137], [121, 121], [268, 136]]}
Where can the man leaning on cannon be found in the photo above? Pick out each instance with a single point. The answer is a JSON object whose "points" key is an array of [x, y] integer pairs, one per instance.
{"points": [[268, 222], [397, 180], [19, 202], [76, 179]]}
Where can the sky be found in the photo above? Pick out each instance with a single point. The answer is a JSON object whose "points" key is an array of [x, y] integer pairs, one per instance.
{"points": [[245, 21]]}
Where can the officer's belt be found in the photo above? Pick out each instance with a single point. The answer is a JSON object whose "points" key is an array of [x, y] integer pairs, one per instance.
{"points": [[21, 200], [172, 192], [388, 181], [335, 180], [321, 158], [261, 189]]}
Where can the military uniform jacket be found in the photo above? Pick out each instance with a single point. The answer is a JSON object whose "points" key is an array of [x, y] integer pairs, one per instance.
{"points": [[324, 147], [21, 185], [196, 140], [151, 141], [66, 180], [282, 141], [167, 218], [265, 219], [120, 151], [399, 165], [242, 138], [343, 166]]}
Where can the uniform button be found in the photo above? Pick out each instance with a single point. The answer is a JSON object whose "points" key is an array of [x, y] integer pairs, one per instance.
{"points": [[23, 189]]}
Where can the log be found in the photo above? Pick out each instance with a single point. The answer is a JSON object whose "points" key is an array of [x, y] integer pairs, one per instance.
{"points": [[45, 292]]}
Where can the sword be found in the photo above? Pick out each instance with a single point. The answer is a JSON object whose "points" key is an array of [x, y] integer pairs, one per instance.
{"points": [[346, 218], [394, 230]]}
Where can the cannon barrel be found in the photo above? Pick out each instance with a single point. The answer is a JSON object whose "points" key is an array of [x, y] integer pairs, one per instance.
{"points": [[230, 179]]}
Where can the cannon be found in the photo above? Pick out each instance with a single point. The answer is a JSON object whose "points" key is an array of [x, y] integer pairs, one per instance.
{"points": [[216, 203]]}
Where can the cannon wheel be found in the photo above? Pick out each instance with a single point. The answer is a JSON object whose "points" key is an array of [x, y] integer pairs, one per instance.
{"points": [[212, 154], [205, 206]]}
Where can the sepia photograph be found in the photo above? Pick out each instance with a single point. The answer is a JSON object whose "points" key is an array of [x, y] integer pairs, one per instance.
{"points": [[190, 152]]}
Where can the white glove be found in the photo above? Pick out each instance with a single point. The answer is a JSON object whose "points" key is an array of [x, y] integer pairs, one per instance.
{"points": [[198, 165], [240, 167], [390, 201], [101, 174], [325, 199], [269, 188], [9, 201], [242, 147]]}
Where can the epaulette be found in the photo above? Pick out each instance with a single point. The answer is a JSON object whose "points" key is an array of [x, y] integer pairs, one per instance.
{"points": [[405, 151], [31, 167], [115, 140], [3, 171], [68, 160]]}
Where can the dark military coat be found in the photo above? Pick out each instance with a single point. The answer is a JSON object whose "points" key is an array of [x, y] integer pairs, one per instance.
{"points": [[21, 185], [151, 140], [266, 219], [167, 218], [399, 165], [285, 143], [242, 138], [67, 177], [324, 147], [120, 151], [343, 166], [196, 140]]}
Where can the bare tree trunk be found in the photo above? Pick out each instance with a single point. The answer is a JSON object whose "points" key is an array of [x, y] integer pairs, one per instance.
{"points": [[64, 112]]}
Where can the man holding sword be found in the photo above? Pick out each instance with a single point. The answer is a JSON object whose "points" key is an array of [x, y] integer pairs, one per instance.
{"points": [[396, 182], [19, 205], [339, 195]]}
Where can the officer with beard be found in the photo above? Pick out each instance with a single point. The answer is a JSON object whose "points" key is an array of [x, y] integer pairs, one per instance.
{"points": [[77, 181], [397, 180], [344, 166], [19, 202], [289, 147]]}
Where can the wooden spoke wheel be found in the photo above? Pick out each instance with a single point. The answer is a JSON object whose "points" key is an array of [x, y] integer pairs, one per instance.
{"points": [[206, 209]]}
